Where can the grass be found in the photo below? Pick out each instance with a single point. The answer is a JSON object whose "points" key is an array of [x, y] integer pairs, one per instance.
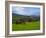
{"points": [[27, 26]]}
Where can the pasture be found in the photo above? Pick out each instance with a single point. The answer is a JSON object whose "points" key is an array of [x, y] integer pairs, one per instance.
{"points": [[34, 25]]}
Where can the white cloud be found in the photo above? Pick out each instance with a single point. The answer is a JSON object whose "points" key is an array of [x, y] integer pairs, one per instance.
{"points": [[25, 11], [20, 10]]}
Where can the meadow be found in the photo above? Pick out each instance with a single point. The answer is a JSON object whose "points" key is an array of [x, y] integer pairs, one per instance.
{"points": [[34, 25]]}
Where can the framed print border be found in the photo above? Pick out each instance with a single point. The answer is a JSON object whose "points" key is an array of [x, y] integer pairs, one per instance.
{"points": [[7, 3]]}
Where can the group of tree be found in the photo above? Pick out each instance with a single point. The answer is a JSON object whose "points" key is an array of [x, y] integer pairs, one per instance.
{"points": [[20, 20]]}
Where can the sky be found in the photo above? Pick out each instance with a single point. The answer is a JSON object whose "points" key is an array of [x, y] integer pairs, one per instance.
{"points": [[26, 10]]}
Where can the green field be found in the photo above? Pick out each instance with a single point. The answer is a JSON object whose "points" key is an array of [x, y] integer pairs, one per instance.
{"points": [[27, 26]]}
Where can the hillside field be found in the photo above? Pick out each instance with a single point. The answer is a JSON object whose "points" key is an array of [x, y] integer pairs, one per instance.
{"points": [[27, 26]]}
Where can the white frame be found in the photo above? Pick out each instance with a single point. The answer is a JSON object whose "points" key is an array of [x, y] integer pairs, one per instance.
{"points": [[25, 32]]}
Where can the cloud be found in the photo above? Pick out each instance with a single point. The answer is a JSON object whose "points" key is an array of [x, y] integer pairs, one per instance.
{"points": [[20, 10], [26, 10]]}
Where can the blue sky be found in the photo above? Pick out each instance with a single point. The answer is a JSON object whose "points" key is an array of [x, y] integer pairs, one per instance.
{"points": [[26, 10]]}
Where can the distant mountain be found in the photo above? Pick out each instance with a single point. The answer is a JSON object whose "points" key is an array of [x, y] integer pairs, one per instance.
{"points": [[25, 15], [16, 14]]}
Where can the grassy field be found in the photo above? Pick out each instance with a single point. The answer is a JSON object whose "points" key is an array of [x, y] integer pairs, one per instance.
{"points": [[27, 26]]}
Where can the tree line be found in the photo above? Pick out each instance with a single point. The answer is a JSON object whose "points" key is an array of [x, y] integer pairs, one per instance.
{"points": [[25, 19]]}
